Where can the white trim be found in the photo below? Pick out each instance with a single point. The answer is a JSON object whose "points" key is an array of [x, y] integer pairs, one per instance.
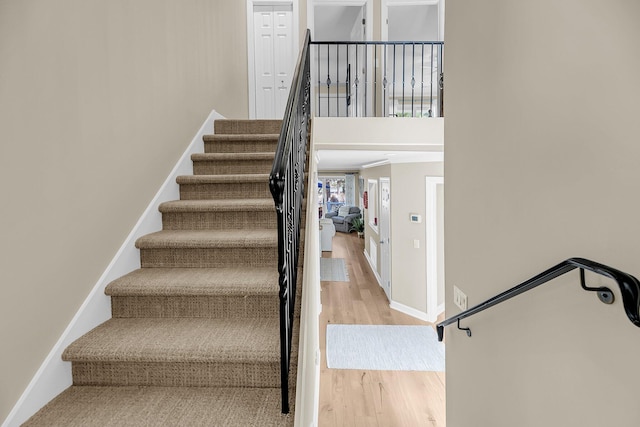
{"points": [[373, 269], [411, 311], [388, 290], [251, 65], [54, 375], [376, 164], [431, 227], [309, 357]]}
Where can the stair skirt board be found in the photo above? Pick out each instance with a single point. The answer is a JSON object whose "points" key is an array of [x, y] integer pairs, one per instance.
{"points": [[198, 322]]}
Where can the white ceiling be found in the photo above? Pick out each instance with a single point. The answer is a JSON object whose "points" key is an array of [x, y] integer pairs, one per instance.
{"points": [[353, 160]]}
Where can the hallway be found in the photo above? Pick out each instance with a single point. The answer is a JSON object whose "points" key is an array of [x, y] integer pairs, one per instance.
{"points": [[371, 398]]}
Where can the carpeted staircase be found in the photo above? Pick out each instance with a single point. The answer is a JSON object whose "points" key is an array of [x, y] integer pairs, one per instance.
{"points": [[194, 338]]}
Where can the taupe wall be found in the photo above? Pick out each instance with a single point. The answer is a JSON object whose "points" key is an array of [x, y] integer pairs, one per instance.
{"points": [[541, 162], [97, 102], [408, 195]]}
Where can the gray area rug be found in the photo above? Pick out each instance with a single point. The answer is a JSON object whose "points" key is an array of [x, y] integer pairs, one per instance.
{"points": [[333, 270], [384, 348]]}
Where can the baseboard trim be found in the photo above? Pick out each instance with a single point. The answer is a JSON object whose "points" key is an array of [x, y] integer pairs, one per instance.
{"points": [[411, 311], [54, 375], [373, 269]]}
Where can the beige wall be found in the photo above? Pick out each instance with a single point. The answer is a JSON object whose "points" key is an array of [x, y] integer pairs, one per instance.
{"points": [[408, 195], [541, 164], [97, 102]]}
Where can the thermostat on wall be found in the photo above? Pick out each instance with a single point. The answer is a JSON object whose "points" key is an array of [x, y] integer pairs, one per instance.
{"points": [[415, 218]]}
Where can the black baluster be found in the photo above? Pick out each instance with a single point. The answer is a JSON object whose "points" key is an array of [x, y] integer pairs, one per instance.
{"points": [[431, 85], [422, 82]]}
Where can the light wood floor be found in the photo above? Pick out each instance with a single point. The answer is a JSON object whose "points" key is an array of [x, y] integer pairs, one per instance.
{"points": [[371, 398]]}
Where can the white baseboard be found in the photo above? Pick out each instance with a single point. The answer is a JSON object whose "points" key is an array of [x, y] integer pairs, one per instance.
{"points": [[411, 311], [54, 375], [373, 268]]}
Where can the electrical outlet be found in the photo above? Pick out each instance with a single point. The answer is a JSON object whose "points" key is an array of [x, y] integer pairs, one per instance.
{"points": [[459, 298]]}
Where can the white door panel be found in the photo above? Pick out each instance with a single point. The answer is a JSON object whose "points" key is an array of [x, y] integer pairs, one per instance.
{"points": [[273, 59]]}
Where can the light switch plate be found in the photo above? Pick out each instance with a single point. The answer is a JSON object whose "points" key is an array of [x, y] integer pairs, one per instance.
{"points": [[459, 298]]}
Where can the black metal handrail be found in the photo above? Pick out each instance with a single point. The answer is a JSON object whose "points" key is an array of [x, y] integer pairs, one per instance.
{"points": [[379, 78], [286, 183], [629, 287]]}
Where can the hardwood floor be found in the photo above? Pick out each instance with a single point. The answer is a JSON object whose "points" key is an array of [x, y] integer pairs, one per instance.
{"points": [[371, 398]]}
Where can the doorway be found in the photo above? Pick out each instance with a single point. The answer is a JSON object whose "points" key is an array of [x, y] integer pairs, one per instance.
{"points": [[272, 40], [339, 68]]}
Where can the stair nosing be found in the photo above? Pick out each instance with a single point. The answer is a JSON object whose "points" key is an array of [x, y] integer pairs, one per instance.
{"points": [[217, 205], [201, 157], [204, 239], [222, 179], [264, 283], [248, 137], [96, 346]]}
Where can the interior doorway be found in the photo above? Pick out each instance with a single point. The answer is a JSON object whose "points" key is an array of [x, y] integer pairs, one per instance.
{"points": [[272, 40], [339, 69]]}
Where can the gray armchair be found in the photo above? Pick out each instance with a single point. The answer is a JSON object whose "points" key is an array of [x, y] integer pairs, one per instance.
{"points": [[343, 223]]}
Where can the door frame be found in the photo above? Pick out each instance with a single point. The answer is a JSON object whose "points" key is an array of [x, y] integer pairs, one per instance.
{"points": [[251, 65], [384, 14], [387, 288], [431, 232]]}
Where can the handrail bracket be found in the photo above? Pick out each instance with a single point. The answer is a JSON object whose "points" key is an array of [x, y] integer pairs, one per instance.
{"points": [[464, 329], [604, 294]]}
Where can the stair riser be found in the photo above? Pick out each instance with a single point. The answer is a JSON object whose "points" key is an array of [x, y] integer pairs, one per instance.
{"points": [[247, 146], [209, 257], [237, 307], [247, 126], [201, 167], [169, 374], [227, 190]]}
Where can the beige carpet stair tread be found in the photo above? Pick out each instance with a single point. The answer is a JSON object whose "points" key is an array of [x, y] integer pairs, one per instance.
{"points": [[196, 282], [222, 179], [221, 157], [243, 126], [241, 137], [209, 239], [179, 340], [224, 205], [91, 406]]}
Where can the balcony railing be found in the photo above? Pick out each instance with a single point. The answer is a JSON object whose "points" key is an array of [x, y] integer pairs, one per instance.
{"points": [[378, 79]]}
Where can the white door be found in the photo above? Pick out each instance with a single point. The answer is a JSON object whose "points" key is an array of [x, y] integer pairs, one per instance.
{"points": [[385, 238], [274, 59]]}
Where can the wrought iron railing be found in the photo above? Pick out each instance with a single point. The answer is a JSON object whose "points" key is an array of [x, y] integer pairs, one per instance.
{"points": [[378, 79], [287, 187], [629, 288]]}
